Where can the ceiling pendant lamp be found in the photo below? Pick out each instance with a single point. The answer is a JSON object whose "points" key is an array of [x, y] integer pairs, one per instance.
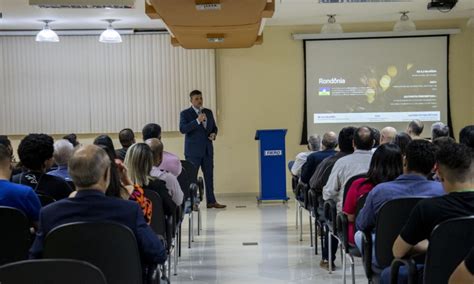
{"points": [[47, 34], [110, 35], [404, 24], [331, 27]]}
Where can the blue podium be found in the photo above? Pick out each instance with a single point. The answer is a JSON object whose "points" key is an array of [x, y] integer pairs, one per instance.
{"points": [[272, 164]]}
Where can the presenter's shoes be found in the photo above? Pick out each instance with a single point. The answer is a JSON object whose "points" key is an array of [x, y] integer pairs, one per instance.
{"points": [[324, 264], [216, 205]]}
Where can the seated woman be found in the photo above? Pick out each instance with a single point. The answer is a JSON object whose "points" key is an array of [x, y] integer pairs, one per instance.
{"points": [[139, 162], [120, 184], [385, 165]]}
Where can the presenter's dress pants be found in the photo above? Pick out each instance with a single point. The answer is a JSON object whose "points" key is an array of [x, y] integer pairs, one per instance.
{"points": [[206, 164]]}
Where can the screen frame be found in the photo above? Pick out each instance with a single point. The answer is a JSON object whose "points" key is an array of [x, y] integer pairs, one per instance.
{"points": [[304, 132]]}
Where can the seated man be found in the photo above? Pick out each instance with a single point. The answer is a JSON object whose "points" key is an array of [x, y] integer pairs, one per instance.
{"points": [[127, 139], [171, 181], [14, 195], [63, 150], [466, 136], [387, 135], [415, 128], [314, 144], [170, 162], [329, 145], [36, 156], [456, 172], [90, 170], [419, 160], [438, 130], [350, 165]]}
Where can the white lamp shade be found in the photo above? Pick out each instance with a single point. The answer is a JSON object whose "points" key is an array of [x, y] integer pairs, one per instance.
{"points": [[47, 35], [110, 36], [333, 28]]}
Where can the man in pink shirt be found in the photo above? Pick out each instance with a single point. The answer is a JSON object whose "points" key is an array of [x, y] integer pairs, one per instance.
{"points": [[170, 163]]}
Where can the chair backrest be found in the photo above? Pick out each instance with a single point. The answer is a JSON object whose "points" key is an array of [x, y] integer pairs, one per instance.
{"points": [[191, 170], [111, 247], [450, 241], [184, 183], [349, 183], [15, 235], [45, 199], [158, 219], [51, 271], [390, 220]]}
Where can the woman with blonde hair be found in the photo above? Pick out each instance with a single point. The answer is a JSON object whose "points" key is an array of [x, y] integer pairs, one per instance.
{"points": [[139, 162]]}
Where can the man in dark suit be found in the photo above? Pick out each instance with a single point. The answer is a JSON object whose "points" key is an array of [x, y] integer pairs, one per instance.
{"points": [[90, 170], [199, 127]]}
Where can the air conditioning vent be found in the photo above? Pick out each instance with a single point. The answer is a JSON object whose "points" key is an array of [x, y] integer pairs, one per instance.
{"points": [[84, 4]]}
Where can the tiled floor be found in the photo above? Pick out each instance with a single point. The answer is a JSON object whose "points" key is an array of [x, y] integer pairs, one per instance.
{"points": [[218, 255]]}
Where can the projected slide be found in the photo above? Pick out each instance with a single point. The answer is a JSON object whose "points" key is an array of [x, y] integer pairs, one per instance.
{"points": [[379, 82]]}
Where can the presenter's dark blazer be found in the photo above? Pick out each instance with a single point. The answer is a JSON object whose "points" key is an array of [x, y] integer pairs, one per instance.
{"points": [[196, 141], [94, 206]]}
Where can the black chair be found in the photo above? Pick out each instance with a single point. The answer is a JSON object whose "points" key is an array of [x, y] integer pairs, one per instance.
{"points": [[45, 199], [196, 186], [448, 245], [349, 250], [15, 235], [330, 214], [111, 247], [162, 226], [391, 218], [51, 271], [315, 205]]}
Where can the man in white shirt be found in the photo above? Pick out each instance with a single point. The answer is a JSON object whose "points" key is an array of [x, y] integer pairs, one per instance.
{"points": [[314, 144], [350, 165], [171, 181]]}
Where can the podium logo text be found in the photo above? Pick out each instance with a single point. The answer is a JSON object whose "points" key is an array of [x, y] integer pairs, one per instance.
{"points": [[273, 153]]}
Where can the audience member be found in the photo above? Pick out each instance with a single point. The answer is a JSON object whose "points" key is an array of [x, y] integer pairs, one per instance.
{"points": [[21, 197], [36, 155], [120, 184], [172, 184], [328, 149], [349, 166], [314, 144], [402, 139], [343, 169], [418, 163], [73, 139], [387, 135], [386, 165], [456, 172], [377, 136], [127, 139], [415, 128], [438, 129], [90, 170], [321, 175], [170, 162], [16, 167], [466, 136], [63, 150], [139, 161]]}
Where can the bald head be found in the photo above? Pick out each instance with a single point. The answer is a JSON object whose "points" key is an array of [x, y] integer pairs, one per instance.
{"points": [[329, 140], [156, 147], [387, 135], [89, 168]]}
